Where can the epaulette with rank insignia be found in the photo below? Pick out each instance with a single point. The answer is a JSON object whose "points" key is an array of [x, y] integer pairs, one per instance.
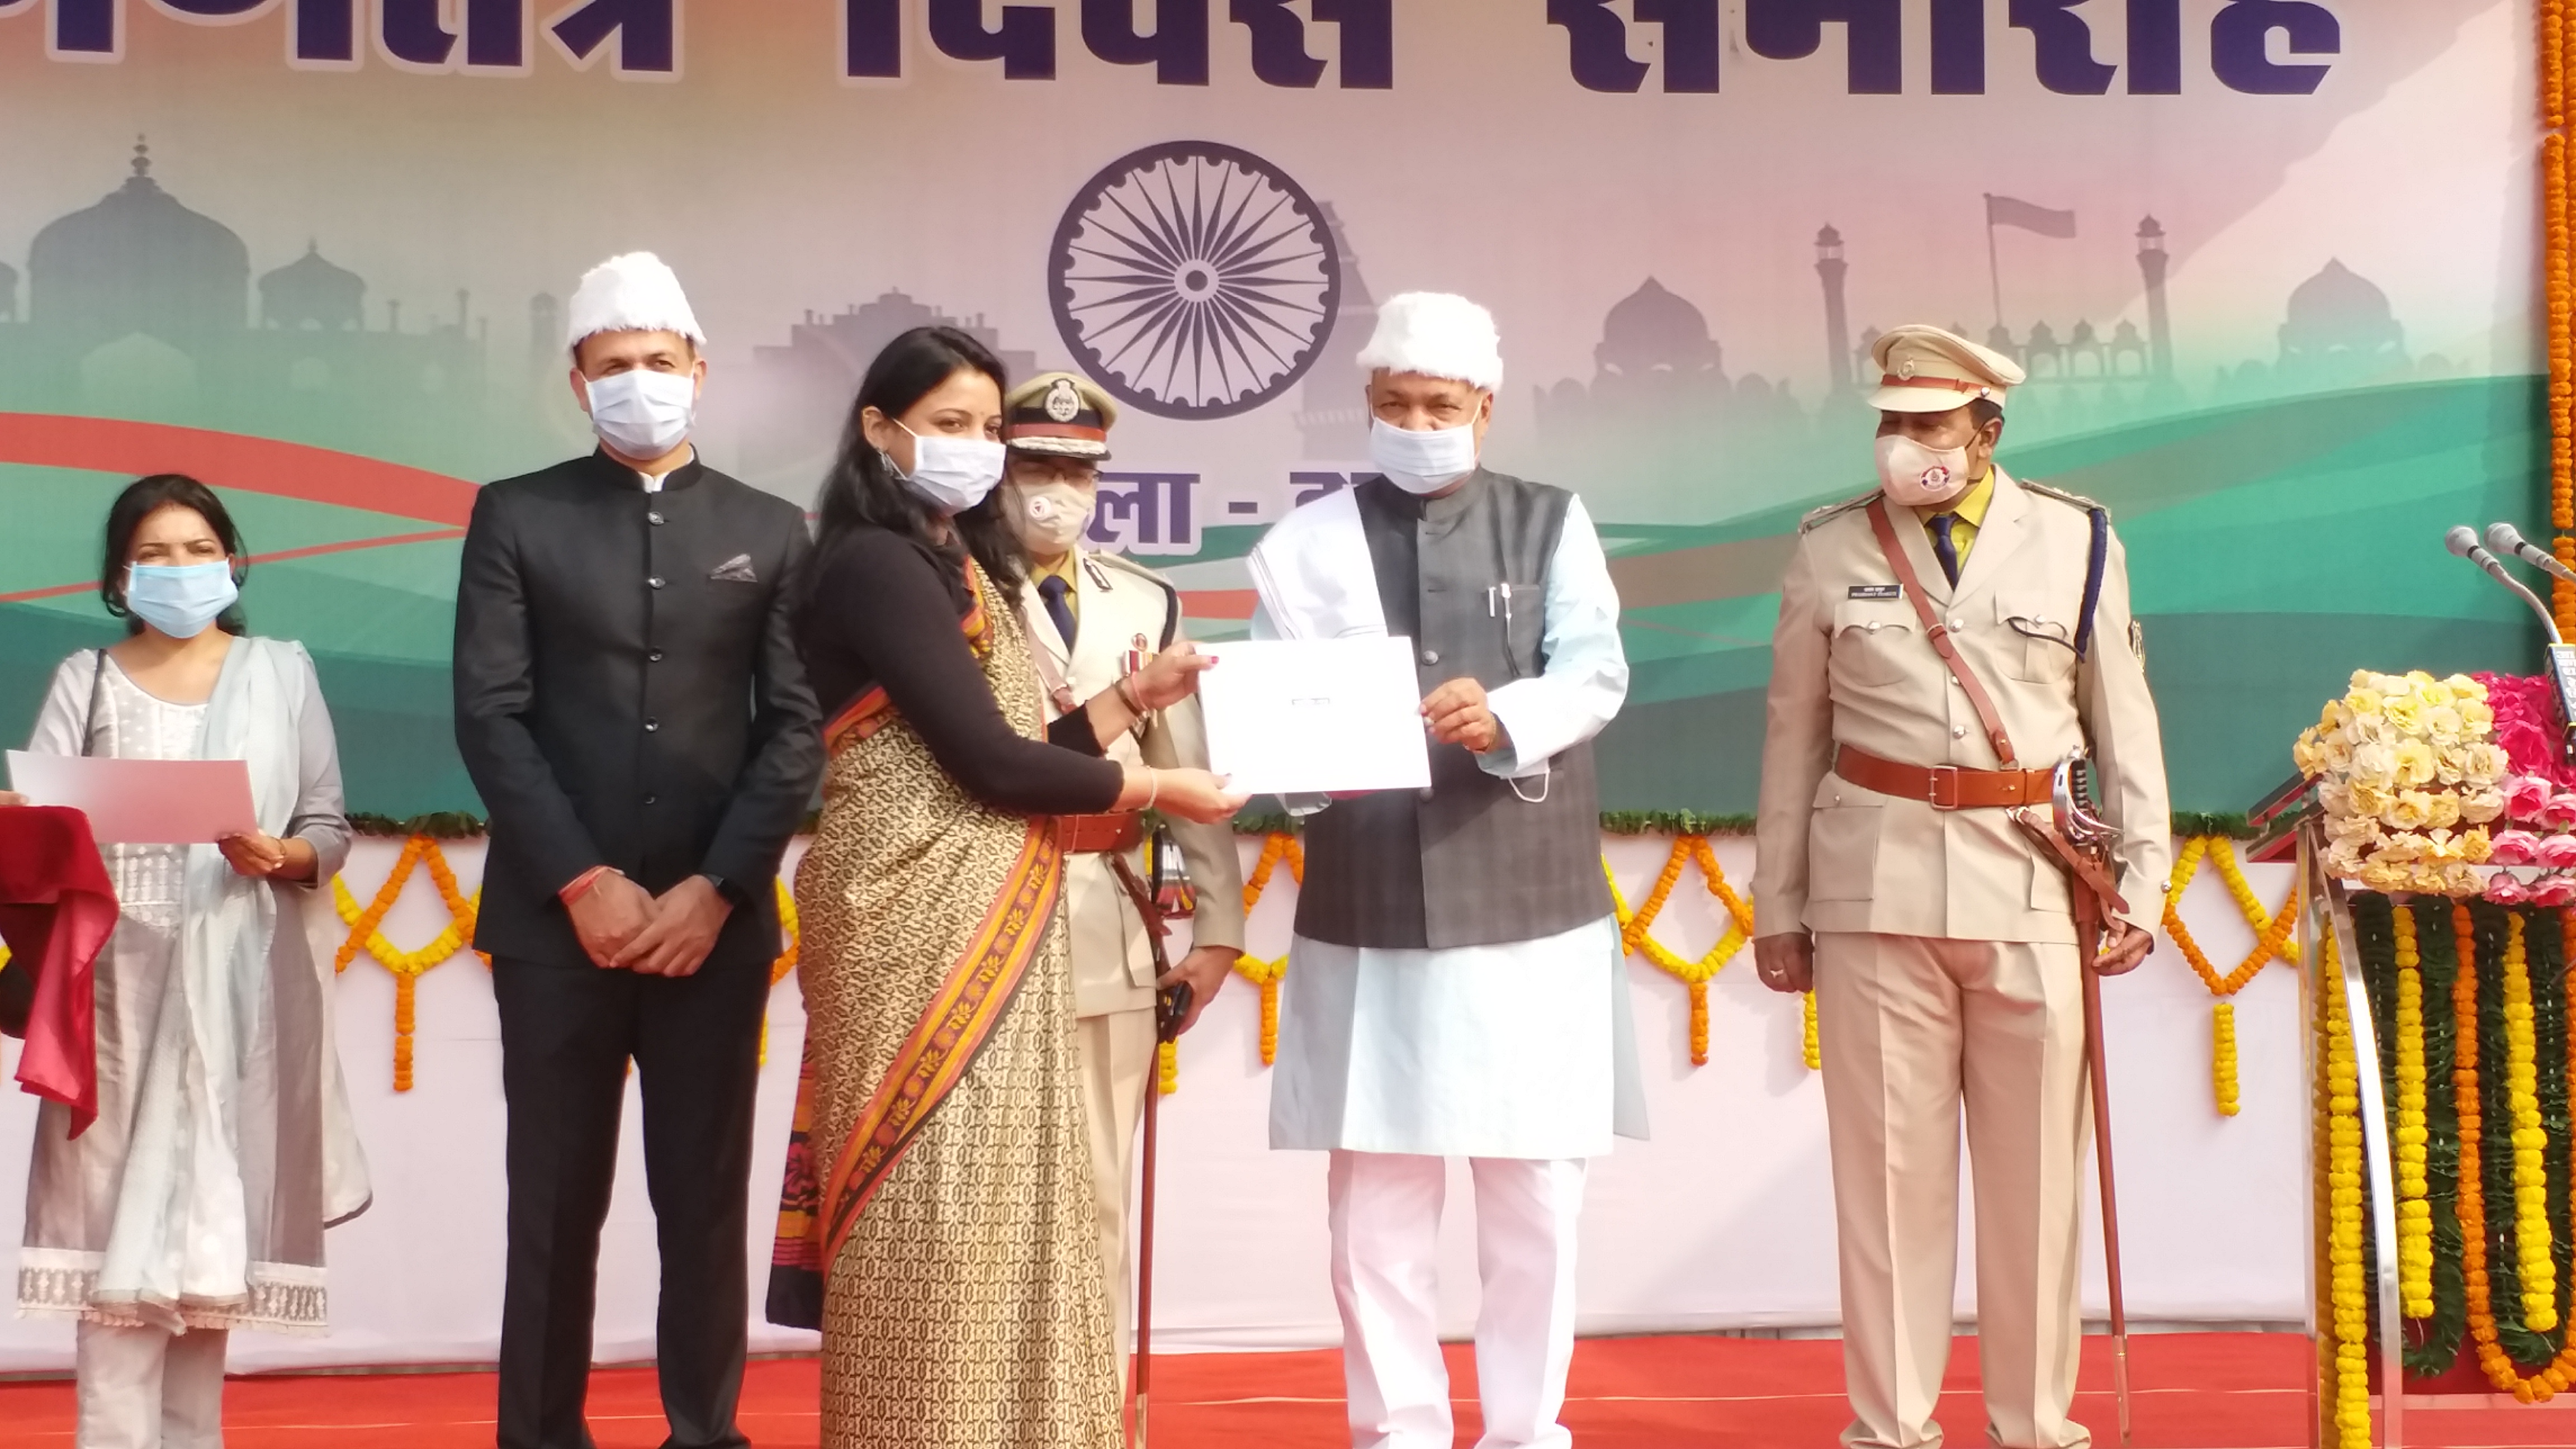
{"points": [[1809, 522], [1171, 596], [2089, 505]]}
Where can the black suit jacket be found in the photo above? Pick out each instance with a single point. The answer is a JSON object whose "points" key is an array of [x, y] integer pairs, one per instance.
{"points": [[628, 694]]}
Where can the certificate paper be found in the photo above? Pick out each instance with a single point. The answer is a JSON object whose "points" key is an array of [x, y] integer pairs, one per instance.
{"points": [[1299, 716], [141, 802]]}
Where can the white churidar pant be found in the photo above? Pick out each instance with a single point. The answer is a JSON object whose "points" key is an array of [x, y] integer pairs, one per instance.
{"points": [[145, 1388], [1385, 1216]]}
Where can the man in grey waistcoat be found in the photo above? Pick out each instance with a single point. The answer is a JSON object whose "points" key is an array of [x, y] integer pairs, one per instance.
{"points": [[1455, 984]]}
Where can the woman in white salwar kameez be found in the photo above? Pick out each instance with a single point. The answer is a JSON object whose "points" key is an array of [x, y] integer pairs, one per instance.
{"points": [[195, 1203]]}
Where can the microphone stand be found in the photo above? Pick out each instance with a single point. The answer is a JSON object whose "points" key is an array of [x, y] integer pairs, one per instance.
{"points": [[2561, 654]]}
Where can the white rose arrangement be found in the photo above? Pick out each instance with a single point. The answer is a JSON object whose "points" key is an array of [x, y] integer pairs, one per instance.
{"points": [[2409, 776]]}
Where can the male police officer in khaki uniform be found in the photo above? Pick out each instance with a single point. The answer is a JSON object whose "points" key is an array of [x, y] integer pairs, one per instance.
{"points": [[1097, 617], [1939, 942]]}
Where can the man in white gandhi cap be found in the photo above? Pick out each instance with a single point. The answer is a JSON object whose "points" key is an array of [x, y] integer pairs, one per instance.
{"points": [[1455, 984], [630, 705], [1940, 945]]}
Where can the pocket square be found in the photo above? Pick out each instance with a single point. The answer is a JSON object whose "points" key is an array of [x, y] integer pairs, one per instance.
{"points": [[735, 570]]}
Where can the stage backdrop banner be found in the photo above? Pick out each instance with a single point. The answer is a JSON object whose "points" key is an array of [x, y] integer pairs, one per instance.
{"points": [[2270, 263]]}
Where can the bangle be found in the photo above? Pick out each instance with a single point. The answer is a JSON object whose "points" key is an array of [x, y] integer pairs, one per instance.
{"points": [[1154, 790], [1127, 695]]}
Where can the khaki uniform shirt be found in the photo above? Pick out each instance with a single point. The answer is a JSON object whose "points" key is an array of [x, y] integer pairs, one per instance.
{"points": [[1122, 606], [1850, 665]]}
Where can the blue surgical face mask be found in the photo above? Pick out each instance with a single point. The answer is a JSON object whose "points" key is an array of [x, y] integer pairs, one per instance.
{"points": [[180, 600]]}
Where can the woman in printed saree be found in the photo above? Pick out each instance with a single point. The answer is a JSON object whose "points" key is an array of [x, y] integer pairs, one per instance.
{"points": [[938, 1224], [194, 1203]]}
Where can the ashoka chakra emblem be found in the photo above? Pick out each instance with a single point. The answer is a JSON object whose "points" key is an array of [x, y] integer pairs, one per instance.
{"points": [[1194, 280]]}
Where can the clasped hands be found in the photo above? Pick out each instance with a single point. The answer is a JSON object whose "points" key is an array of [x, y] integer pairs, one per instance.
{"points": [[624, 927]]}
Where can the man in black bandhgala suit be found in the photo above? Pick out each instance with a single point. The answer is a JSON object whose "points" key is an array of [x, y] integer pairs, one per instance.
{"points": [[630, 705]]}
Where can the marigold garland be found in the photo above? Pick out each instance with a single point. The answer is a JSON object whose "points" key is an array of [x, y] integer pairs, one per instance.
{"points": [[2414, 1211], [2273, 939], [793, 930], [2538, 1269], [1635, 929], [1810, 1046], [2347, 1293], [366, 935], [2555, 38], [1278, 846], [2483, 1336], [406, 966]]}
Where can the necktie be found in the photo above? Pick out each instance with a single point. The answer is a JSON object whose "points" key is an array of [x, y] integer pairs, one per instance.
{"points": [[1052, 589], [1943, 548]]}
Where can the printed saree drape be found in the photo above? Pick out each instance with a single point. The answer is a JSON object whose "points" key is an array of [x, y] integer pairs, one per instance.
{"points": [[937, 1221]]}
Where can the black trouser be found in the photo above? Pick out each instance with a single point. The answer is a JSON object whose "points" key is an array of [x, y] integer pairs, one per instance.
{"points": [[567, 1031]]}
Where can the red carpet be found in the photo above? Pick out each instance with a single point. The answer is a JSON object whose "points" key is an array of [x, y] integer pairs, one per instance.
{"points": [[2194, 1391]]}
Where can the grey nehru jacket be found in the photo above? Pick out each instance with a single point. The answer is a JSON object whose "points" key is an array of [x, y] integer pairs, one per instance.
{"points": [[1470, 861]]}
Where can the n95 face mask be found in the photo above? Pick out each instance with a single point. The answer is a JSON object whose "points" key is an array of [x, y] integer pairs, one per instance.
{"points": [[1920, 477], [1422, 462], [643, 414], [1047, 518]]}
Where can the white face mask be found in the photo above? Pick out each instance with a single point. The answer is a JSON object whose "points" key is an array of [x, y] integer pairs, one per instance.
{"points": [[1422, 462], [951, 473], [1920, 477], [1047, 518], [641, 413]]}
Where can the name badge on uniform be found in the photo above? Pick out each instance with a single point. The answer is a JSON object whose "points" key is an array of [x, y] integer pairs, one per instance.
{"points": [[1876, 591]]}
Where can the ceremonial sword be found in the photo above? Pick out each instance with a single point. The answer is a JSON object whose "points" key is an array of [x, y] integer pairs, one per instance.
{"points": [[1171, 1007], [2083, 841]]}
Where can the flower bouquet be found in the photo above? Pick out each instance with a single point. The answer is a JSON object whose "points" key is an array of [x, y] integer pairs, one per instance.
{"points": [[2538, 826], [2409, 775]]}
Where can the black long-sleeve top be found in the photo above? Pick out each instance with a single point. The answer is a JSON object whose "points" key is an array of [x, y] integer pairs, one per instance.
{"points": [[886, 611]]}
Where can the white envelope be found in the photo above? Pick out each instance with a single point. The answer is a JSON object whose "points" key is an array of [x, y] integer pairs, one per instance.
{"points": [[1301, 716], [141, 802]]}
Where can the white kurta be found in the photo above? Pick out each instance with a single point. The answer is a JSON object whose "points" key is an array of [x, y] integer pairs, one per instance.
{"points": [[1523, 1049], [197, 1198]]}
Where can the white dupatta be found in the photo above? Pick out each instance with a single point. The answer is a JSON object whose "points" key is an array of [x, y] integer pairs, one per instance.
{"points": [[241, 1148]]}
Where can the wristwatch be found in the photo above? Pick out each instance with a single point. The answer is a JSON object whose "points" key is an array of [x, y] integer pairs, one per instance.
{"points": [[728, 889]]}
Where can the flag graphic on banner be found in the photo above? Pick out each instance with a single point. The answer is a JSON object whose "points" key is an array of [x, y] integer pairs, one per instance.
{"points": [[2005, 211]]}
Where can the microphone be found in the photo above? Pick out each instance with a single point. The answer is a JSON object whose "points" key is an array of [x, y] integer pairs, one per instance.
{"points": [[2505, 538], [2463, 541]]}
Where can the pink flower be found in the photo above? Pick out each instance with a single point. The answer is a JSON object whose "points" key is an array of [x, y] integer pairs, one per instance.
{"points": [[2553, 890], [2558, 852], [2506, 889], [2526, 796], [2561, 814], [2512, 847]]}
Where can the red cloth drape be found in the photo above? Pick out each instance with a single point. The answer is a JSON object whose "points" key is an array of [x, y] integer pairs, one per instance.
{"points": [[57, 910]]}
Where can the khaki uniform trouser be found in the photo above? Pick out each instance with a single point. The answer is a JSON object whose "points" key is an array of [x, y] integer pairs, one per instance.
{"points": [[1912, 1030], [1117, 1050]]}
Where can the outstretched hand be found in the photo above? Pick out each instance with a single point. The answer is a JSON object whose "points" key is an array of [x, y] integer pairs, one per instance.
{"points": [[1171, 676]]}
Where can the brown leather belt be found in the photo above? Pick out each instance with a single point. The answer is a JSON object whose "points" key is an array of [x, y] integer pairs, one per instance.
{"points": [[1943, 787], [1113, 834]]}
